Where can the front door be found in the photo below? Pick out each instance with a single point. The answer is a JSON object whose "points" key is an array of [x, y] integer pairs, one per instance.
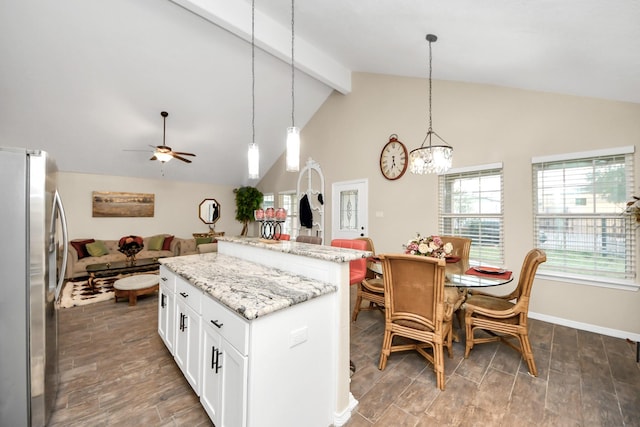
{"points": [[349, 212]]}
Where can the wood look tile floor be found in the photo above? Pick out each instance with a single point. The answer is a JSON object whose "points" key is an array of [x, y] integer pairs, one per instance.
{"points": [[115, 371]]}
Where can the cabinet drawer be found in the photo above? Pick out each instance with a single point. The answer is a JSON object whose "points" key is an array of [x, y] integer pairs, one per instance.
{"points": [[189, 294], [168, 279], [232, 327]]}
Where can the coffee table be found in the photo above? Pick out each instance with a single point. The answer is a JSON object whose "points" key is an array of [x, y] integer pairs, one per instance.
{"points": [[120, 267]]}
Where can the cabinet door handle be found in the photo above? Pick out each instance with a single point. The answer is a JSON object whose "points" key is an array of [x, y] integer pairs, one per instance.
{"points": [[164, 279], [181, 322], [218, 365], [163, 301], [184, 326], [216, 324], [213, 357], [184, 294]]}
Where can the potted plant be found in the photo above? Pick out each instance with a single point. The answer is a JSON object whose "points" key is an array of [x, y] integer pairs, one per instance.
{"points": [[248, 199]]}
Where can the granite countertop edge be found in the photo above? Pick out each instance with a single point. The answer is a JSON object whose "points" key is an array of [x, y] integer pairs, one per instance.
{"points": [[323, 252], [249, 289]]}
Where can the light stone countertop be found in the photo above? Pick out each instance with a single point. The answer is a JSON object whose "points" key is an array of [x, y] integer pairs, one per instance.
{"points": [[251, 290], [326, 253]]}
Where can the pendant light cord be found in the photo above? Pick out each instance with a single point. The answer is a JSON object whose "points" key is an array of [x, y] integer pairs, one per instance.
{"points": [[293, 68], [430, 71], [253, 72]]}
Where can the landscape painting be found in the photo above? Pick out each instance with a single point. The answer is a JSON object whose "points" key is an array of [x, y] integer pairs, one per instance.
{"points": [[114, 204]]}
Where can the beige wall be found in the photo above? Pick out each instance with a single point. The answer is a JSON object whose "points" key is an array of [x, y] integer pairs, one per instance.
{"points": [[484, 124], [176, 206]]}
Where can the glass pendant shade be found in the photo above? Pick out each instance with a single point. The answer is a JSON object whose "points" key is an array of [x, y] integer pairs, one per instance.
{"points": [[254, 161], [431, 159], [293, 149], [163, 157]]}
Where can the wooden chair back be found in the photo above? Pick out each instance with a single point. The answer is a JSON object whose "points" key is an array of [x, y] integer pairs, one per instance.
{"points": [[413, 289]]}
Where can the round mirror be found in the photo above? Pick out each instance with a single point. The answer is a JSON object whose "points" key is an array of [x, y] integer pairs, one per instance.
{"points": [[209, 211]]}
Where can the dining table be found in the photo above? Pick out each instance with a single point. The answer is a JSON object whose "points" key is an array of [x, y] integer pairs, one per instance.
{"points": [[467, 277]]}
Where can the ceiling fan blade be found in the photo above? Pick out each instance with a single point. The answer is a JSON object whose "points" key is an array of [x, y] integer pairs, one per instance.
{"points": [[184, 154], [176, 156]]}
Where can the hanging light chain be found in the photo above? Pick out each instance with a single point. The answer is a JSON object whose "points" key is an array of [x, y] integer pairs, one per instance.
{"points": [[293, 68]]}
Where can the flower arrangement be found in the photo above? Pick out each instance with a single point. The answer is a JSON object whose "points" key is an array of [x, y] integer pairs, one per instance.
{"points": [[432, 246], [130, 246]]}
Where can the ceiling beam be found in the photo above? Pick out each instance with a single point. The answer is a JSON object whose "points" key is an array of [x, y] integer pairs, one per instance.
{"points": [[273, 38]]}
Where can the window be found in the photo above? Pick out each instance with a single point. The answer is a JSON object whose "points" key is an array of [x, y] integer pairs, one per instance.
{"points": [[471, 205], [577, 204], [288, 200], [268, 201]]}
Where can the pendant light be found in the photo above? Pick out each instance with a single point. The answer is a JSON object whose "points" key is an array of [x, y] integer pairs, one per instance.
{"points": [[433, 158], [293, 133], [254, 153]]}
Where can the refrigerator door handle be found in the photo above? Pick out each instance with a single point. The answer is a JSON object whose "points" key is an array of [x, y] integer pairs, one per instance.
{"points": [[59, 208]]}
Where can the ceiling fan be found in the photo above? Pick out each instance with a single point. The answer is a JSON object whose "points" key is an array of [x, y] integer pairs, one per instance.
{"points": [[163, 152]]}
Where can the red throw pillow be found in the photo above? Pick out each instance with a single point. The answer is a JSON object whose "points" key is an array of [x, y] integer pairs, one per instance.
{"points": [[166, 245], [81, 247]]}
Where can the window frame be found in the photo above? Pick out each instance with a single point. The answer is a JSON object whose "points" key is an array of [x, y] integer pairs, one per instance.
{"points": [[596, 276], [445, 214], [290, 226]]}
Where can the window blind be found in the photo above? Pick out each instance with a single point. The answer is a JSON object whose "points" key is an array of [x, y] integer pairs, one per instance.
{"points": [[578, 207], [471, 205]]}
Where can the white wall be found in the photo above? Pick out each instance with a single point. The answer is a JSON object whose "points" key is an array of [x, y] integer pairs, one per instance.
{"points": [[484, 124], [176, 206]]}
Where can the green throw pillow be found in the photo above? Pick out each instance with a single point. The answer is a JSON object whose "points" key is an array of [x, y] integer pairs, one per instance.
{"points": [[155, 243], [97, 248], [203, 240]]}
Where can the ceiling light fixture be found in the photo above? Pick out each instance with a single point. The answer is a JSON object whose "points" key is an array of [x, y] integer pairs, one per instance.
{"points": [[432, 158], [162, 153], [254, 153], [293, 133]]}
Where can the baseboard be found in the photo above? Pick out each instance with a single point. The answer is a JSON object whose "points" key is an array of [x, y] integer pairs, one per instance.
{"points": [[340, 419], [586, 326]]}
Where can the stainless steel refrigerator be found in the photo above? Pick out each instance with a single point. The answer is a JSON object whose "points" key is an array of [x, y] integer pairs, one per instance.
{"points": [[33, 248]]}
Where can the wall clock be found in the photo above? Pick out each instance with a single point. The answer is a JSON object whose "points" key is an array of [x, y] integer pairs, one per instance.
{"points": [[393, 159]]}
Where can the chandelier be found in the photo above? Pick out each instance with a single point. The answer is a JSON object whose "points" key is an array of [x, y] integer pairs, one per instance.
{"points": [[432, 156]]}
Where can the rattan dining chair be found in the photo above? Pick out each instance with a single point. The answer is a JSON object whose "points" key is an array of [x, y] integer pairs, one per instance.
{"points": [[370, 289], [453, 295], [415, 309], [505, 317]]}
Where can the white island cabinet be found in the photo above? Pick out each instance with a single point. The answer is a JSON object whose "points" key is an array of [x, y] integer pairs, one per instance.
{"points": [[269, 348], [166, 307]]}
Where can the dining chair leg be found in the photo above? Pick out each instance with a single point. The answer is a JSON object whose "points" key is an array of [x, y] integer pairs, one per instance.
{"points": [[356, 308], [438, 359], [386, 350], [527, 353]]}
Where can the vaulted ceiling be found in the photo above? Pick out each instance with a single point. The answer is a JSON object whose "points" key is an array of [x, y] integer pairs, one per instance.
{"points": [[86, 79]]}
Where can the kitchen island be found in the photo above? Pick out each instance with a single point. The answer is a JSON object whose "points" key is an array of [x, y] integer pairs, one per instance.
{"points": [[271, 323]]}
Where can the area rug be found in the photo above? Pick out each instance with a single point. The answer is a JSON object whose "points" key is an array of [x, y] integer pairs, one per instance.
{"points": [[76, 293]]}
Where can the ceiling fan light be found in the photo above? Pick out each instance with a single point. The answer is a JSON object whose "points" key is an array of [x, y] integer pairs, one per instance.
{"points": [[254, 161], [162, 156], [293, 149]]}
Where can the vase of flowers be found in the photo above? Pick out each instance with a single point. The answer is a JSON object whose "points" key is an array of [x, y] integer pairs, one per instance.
{"points": [[432, 246], [130, 246]]}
